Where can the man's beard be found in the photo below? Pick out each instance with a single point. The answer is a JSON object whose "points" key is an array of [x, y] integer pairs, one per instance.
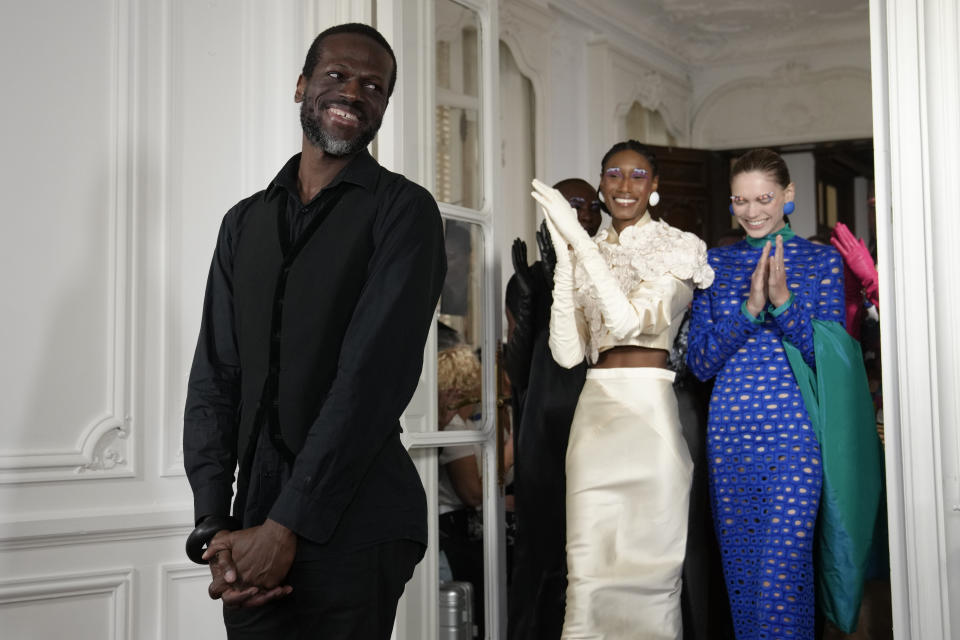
{"points": [[328, 143]]}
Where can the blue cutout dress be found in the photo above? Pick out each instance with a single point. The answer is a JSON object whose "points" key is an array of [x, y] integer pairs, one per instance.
{"points": [[764, 459]]}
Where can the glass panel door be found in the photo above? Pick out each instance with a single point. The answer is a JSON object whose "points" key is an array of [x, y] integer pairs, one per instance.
{"points": [[451, 47]]}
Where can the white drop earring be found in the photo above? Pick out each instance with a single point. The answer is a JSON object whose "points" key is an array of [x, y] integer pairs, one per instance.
{"points": [[654, 199]]}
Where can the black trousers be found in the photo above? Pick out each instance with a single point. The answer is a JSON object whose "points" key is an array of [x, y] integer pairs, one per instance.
{"points": [[336, 596]]}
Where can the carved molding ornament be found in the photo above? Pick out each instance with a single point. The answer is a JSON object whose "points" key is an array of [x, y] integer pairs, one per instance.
{"points": [[700, 32], [791, 104]]}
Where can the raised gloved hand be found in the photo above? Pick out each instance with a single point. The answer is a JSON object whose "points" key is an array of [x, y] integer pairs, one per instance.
{"points": [[561, 251], [548, 257], [518, 350], [857, 258], [564, 218], [522, 270], [619, 316], [566, 344]]}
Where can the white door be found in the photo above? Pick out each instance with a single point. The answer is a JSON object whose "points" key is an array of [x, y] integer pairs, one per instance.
{"points": [[443, 132]]}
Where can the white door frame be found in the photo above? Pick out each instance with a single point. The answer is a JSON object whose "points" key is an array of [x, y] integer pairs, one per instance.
{"points": [[406, 143], [916, 94]]}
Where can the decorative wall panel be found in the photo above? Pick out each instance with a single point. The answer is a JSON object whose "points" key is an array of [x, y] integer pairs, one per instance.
{"points": [[65, 254], [232, 123], [97, 606], [186, 615]]}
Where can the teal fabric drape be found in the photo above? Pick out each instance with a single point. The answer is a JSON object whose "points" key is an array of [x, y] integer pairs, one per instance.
{"points": [[838, 401]]}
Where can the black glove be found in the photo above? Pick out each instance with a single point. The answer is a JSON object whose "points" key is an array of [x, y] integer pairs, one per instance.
{"points": [[519, 348], [522, 269], [548, 257]]}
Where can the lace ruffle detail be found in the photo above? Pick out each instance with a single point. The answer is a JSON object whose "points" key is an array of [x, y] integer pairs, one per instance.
{"points": [[643, 253], [653, 250]]}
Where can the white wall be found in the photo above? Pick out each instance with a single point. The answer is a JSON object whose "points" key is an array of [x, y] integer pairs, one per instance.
{"points": [[803, 220], [517, 148], [811, 94], [129, 128]]}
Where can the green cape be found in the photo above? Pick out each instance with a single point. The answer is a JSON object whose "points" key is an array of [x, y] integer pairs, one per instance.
{"points": [[837, 398]]}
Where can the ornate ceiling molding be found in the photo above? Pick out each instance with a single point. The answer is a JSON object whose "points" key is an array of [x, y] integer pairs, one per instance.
{"points": [[791, 104], [728, 31]]}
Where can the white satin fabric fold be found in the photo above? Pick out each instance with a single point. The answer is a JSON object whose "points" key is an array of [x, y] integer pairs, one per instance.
{"points": [[628, 491]]}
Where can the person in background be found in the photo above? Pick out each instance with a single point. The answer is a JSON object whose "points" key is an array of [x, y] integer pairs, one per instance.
{"points": [[765, 465], [460, 484], [860, 276], [545, 395], [528, 292], [618, 301]]}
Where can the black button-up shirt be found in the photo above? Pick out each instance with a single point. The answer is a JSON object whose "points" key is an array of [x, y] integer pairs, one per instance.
{"points": [[380, 361]]}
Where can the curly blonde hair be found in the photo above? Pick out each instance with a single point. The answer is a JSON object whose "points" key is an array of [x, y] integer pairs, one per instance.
{"points": [[458, 368]]}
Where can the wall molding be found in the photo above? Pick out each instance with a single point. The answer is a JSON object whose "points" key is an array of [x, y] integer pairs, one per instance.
{"points": [[89, 528], [526, 31], [170, 576], [116, 585], [103, 447], [804, 107], [618, 78]]}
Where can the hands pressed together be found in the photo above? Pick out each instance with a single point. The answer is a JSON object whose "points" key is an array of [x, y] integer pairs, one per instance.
{"points": [[249, 565], [561, 220], [768, 284]]}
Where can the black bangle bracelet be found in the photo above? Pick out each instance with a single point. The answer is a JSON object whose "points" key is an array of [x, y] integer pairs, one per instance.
{"points": [[201, 536]]}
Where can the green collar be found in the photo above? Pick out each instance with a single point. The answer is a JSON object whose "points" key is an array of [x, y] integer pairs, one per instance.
{"points": [[786, 232]]}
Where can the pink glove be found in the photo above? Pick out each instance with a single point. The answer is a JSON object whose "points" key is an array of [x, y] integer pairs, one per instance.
{"points": [[853, 302], [857, 258]]}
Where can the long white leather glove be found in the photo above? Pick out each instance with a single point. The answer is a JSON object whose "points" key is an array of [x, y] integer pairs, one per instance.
{"points": [[566, 342], [619, 316], [557, 210]]}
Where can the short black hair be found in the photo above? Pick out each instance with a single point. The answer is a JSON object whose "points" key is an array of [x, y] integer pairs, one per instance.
{"points": [[569, 182], [316, 49]]}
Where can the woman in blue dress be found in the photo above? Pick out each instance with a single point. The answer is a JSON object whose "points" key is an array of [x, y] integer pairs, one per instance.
{"points": [[765, 472]]}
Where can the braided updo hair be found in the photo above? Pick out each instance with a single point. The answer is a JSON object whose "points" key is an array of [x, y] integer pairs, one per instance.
{"points": [[627, 145]]}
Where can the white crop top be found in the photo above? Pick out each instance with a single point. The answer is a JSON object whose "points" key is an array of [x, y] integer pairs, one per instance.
{"points": [[657, 267]]}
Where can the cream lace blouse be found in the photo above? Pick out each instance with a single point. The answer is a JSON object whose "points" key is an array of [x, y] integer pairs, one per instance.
{"points": [[657, 267]]}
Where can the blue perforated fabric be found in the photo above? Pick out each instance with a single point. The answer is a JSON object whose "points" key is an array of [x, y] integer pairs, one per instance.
{"points": [[765, 474]]}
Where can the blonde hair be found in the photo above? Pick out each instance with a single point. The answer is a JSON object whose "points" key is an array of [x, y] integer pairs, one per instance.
{"points": [[459, 368]]}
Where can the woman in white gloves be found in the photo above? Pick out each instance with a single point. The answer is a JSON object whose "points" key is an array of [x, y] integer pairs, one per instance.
{"points": [[618, 301]]}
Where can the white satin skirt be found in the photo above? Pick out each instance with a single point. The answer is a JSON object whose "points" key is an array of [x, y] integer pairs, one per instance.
{"points": [[628, 490]]}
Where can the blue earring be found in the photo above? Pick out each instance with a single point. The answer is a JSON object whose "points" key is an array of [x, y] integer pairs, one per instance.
{"points": [[731, 210], [788, 208]]}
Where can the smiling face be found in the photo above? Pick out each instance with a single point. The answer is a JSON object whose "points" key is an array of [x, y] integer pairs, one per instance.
{"points": [[626, 184], [757, 200], [345, 96]]}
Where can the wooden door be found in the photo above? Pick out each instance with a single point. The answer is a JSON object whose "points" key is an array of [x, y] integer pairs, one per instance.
{"points": [[694, 191]]}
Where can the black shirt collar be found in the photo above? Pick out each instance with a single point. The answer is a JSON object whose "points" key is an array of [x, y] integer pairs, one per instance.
{"points": [[362, 171]]}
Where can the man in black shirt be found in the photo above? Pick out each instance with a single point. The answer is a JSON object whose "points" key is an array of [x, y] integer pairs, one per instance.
{"points": [[318, 303]]}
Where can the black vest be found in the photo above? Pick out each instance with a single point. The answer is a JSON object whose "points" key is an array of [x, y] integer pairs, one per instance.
{"points": [[292, 306]]}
